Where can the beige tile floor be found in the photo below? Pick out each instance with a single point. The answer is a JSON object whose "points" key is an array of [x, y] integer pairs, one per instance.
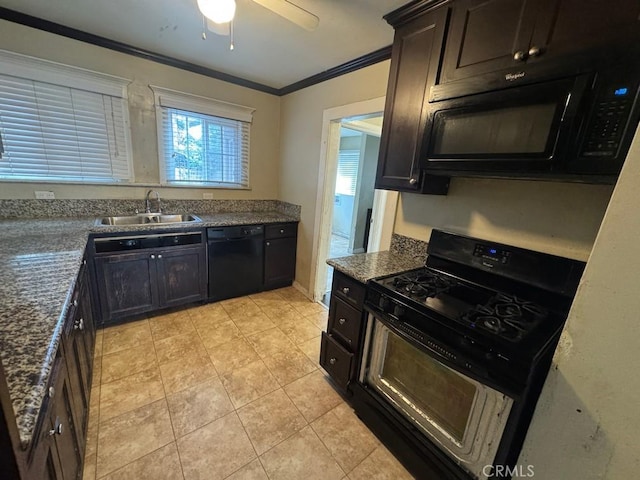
{"points": [[230, 390]]}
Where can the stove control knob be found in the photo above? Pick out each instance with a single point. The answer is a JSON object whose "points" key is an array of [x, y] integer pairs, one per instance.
{"points": [[398, 311], [383, 303]]}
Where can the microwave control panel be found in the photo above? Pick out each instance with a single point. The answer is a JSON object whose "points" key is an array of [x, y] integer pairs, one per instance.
{"points": [[609, 120]]}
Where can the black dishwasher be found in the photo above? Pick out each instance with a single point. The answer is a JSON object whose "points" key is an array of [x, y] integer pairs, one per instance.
{"points": [[236, 258]]}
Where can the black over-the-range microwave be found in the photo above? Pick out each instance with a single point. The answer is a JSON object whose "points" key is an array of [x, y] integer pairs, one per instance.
{"points": [[573, 127]]}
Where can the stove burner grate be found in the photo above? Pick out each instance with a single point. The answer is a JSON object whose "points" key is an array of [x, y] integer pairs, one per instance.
{"points": [[507, 316], [422, 285]]}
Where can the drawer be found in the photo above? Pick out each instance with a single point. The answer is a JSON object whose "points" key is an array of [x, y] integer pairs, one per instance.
{"points": [[349, 289], [345, 323], [336, 361], [281, 230]]}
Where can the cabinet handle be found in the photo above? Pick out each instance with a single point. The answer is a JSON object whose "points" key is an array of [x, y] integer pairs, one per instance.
{"points": [[413, 181], [52, 392], [75, 303], [332, 361], [535, 51], [520, 56], [268, 244], [159, 256], [346, 290], [282, 230], [84, 262], [341, 321], [153, 257], [79, 325], [57, 428]]}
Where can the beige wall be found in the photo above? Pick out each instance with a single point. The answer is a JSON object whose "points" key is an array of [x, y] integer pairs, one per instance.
{"points": [[265, 130], [300, 142], [558, 218], [587, 425]]}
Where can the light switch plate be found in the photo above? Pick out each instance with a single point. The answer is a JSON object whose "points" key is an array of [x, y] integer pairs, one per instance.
{"points": [[44, 195], [207, 196]]}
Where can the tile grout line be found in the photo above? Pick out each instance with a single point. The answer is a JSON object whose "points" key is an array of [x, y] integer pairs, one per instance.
{"points": [[173, 431]]}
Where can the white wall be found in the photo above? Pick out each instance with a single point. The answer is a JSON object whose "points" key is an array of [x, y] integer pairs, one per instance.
{"points": [[587, 424], [265, 130], [558, 218], [301, 132]]}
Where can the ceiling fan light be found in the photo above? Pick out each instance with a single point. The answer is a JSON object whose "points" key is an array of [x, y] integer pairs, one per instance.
{"points": [[218, 11]]}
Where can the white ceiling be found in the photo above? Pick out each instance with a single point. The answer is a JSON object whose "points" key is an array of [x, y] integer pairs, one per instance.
{"points": [[268, 49]]}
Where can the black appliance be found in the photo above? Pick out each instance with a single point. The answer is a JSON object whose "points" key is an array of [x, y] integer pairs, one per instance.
{"points": [[236, 258], [561, 125], [455, 354]]}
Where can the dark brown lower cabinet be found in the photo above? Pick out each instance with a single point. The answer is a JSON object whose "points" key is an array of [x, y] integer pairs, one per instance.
{"points": [[280, 255], [58, 446], [341, 343], [131, 283]]}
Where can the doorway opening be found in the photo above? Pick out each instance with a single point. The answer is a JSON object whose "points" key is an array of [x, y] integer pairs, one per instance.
{"points": [[354, 188], [351, 215]]}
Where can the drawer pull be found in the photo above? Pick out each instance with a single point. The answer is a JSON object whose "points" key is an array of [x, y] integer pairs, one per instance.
{"points": [[341, 321], [79, 324], [153, 257], [332, 361], [346, 290], [57, 428], [52, 392], [281, 230]]}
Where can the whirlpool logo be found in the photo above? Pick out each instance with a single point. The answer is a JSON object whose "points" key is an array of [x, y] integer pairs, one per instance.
{"points": [[510, 77], [505, 471]]}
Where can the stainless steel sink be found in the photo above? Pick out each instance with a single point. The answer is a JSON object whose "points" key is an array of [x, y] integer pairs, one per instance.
{"points": [[147, 219]]}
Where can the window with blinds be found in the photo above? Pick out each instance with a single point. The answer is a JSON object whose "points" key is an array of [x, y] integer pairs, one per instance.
{"points": [[202, 142], [347, 177], [61, 124]]}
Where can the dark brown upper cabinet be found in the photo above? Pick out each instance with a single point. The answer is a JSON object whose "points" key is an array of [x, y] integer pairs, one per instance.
{"points": [[488, 36], [415, 60]]}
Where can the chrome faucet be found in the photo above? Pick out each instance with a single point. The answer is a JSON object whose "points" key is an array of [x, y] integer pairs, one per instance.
{"points": [[148, 204]]}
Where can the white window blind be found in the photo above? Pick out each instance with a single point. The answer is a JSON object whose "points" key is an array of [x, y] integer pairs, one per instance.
{"points": [[53, 132], [347, 178], [202, 142]]}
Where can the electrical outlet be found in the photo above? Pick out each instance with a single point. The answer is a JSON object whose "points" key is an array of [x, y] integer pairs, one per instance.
{"points": [[207, 196], [44, 195]]}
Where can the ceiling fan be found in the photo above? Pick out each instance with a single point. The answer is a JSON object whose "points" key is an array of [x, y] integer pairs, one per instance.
{"points": [[219, 14]]}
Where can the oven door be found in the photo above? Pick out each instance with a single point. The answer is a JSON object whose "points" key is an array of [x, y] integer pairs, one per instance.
{"points": [[465, 418]]}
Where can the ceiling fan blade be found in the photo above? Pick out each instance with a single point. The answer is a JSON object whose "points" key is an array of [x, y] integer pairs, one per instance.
{"points": [[219, 28], [291, 12]]}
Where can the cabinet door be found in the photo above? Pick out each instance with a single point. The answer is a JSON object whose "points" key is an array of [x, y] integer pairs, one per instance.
{"points": [[572, 26], [485, 35], [182, 275], [414, 66], [126, 284], [279, 262], [77, 365]]}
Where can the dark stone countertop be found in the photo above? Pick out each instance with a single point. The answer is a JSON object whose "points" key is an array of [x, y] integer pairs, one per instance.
{"points": [[365, 266], [39, 264]]}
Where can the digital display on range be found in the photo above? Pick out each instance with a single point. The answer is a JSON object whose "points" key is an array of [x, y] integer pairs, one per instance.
{"points": [[492, 253], [620, 92]]}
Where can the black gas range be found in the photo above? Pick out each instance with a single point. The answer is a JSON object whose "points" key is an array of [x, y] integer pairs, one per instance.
{"points": [[455, 353]]}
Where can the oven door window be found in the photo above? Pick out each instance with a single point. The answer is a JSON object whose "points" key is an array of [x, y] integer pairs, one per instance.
{"points": [[463, 416]]}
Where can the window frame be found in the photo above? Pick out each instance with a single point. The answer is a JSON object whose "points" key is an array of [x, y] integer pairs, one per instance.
{"points": [[173, 99], [75, 78]]}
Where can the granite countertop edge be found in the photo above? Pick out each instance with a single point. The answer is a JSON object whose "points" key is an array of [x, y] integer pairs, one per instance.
{"points": [[367, 266], [27, 375]]}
